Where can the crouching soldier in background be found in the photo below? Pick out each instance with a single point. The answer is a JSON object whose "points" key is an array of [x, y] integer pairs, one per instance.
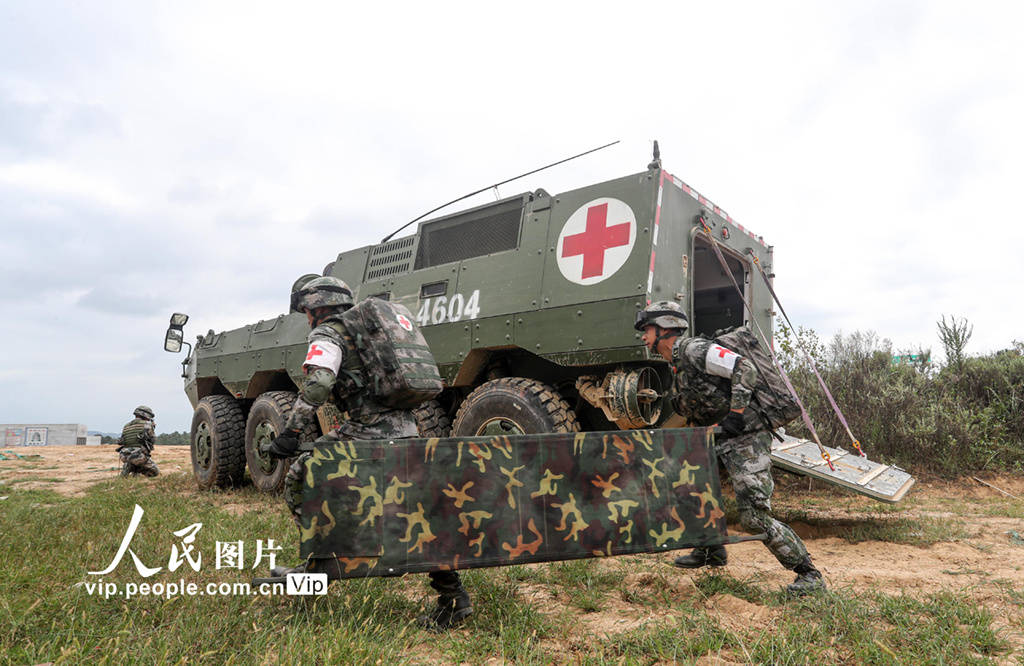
{"points": [[333, 367], [714, 385], [137, 440]]}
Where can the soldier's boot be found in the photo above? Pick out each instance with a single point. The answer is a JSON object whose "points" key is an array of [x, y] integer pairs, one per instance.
{"points": [[316, 565], [453, 603], [808, 579], [704, 556]]}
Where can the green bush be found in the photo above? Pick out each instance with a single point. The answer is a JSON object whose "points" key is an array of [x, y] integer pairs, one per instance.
{"points": [[950, 420]]}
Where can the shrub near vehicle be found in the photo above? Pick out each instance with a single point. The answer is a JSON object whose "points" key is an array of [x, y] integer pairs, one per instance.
{"points": [[527, 305]]}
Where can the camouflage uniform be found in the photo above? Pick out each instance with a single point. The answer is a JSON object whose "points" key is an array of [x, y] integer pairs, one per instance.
{"points": [[333, 367], [366, 418], [137, 440], [710, 380]]}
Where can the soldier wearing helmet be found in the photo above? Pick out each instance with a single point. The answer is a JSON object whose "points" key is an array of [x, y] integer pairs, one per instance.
{"points": [[333, 366], [712, 385], [137, 439]]}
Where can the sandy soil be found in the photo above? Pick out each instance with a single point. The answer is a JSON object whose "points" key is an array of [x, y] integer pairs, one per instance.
{"points": [[979, 551], [69, 470]]}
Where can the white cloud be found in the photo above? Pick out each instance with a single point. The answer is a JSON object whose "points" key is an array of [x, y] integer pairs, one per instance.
{"points": [[60, 180], [199, 157]]}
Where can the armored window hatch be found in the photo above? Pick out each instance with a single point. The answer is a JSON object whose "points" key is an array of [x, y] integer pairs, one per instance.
{"points": [[474, 233]]}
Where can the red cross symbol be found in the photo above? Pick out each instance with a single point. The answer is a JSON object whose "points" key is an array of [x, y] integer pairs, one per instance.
{"points": [[404, 322], [314, 351], [593, 242], [722, 351]]}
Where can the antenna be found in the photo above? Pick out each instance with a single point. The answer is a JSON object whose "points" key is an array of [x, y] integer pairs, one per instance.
{"points": [[656, 161], [495, 187]]}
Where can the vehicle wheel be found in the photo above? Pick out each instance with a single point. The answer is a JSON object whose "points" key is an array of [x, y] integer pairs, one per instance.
{"points": [[514, 406], [267, 417], [266, 421], [432, 420], [218, 449]]}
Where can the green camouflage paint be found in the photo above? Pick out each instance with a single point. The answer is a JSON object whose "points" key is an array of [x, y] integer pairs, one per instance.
{"points": [[388, 508]]}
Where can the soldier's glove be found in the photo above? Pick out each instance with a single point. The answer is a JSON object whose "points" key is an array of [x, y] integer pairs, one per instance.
{"points": [[732, 425], [285, 445]]}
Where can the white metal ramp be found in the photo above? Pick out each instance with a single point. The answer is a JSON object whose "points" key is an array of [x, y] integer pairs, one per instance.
{"points": [[885, 483]]}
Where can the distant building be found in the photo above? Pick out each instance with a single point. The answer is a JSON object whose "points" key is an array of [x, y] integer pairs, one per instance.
{"points": [[47, 434]]}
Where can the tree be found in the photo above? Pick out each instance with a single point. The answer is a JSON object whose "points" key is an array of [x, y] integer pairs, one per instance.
{"points": [[172, 439], [954, 336]]}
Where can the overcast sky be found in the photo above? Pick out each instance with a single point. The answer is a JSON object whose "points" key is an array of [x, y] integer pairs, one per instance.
{"points": [[198, 157]]}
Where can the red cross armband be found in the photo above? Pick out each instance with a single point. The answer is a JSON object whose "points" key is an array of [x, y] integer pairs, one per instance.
{"points": [[720, 361], [323, 354]]}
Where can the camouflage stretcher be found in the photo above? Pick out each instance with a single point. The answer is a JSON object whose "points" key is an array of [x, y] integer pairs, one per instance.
{"points": [[388, 508]]}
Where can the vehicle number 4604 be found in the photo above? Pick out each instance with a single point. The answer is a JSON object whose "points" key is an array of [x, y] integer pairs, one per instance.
{"points": [[442, 309]]}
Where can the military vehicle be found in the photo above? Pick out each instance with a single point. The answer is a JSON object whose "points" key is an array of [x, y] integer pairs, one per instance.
{"points": [[528, 306]]}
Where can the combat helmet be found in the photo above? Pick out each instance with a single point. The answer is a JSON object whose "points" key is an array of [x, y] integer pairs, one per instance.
{"points": [[144, 412], [299, 284], [323, 292], [666, 314]]}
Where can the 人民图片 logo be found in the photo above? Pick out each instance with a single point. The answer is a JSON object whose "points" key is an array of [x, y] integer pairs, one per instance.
{"points": [[229, 554]]}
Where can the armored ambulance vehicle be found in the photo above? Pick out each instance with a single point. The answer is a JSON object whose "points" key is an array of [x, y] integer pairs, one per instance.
{"points": [[528, 305]]}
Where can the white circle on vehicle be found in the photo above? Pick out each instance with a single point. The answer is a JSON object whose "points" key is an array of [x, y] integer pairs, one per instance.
{"points": [[596, 241], [404, 322]]}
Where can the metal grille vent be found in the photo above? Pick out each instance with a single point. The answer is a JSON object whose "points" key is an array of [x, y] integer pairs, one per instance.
{"points": [[391, 258], [471, 234]]}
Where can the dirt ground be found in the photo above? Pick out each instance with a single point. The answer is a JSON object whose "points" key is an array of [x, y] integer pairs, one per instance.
{"points": [[69, 470], [981, 547]]}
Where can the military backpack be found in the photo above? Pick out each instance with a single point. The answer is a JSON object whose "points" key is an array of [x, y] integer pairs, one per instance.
{"points": [[771, 397], [400, 370]]}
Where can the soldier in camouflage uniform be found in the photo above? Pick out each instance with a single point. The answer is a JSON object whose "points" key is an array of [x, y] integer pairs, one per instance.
{"points": [[333, 367], [714, 385], [137, 440]]}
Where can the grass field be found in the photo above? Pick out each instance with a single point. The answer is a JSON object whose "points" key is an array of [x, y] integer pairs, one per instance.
{"points": [[634, 609]]}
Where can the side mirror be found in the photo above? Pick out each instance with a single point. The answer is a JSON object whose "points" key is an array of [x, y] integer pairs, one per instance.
{"points": [[175, 336], [173, 339]]}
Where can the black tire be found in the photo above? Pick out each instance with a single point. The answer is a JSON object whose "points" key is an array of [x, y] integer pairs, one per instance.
{"points": [[432, 419], [217, 442], [267, 417], [514, 405]]}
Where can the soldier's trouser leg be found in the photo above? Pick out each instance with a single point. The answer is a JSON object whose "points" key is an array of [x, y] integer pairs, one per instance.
{"points": [[148, 467], [135, 462], [293, 482], [453, 603], [748, 461]]}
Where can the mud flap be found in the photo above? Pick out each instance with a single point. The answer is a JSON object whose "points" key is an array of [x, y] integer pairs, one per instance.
{"points": [[885, 483]]}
